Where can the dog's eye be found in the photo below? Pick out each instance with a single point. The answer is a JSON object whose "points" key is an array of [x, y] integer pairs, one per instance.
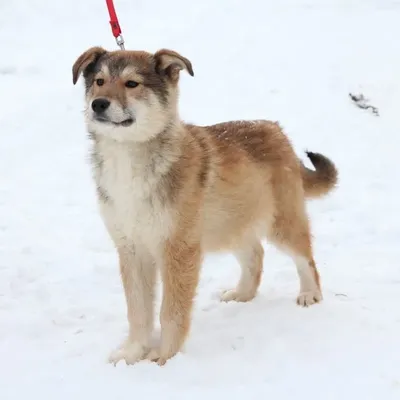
{"points": [[131, 84], [100, 82]]}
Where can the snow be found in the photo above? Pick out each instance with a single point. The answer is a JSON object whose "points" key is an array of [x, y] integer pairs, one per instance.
{"points": [[62, 308]]}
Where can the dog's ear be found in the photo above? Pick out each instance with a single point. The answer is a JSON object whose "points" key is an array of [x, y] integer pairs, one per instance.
{"points": [[169, 62], [85, 61]]}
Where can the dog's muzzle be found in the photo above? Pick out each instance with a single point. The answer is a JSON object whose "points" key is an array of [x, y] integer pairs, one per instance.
{"points": [[100, 106]]}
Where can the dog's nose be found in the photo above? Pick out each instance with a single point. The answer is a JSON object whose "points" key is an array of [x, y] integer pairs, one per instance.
{"points": [[100, 105]]}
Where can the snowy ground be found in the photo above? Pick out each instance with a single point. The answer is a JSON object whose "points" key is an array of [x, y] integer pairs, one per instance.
{"points": [[61, 304]]}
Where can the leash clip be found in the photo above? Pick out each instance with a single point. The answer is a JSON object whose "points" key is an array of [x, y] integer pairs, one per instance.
{"points": [[120, 42]]}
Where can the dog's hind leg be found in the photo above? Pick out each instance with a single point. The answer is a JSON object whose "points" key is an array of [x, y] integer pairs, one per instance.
{"points": [[291, 233], [250, 258]]}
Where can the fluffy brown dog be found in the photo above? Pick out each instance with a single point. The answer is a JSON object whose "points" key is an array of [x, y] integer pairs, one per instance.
{"points": [[169, 192]]}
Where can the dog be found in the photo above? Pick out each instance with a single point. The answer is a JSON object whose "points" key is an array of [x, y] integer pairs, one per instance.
{"points": [[169, 192]]}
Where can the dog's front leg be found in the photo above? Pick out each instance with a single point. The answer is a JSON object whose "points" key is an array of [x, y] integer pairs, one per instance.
{"points": [[138, 278], [180, 274]]}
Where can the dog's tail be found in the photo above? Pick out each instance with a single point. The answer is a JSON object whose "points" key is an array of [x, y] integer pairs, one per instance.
{"points": [[321, 181]]}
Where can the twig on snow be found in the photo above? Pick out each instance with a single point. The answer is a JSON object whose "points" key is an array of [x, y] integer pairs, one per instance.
{"points": [[361, 102]]}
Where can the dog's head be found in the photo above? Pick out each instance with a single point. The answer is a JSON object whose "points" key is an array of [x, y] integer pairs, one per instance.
{"points": [[130, 95]]}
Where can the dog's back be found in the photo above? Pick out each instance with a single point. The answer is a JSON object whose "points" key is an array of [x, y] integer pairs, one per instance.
{"points": [[246, 167]]}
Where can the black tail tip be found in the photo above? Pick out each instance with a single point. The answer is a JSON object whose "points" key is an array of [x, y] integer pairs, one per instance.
{"points": [[315, 158], [310, 154]]}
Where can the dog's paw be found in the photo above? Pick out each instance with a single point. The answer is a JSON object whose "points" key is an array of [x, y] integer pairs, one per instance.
{"points": [[309, 298], [130, 351], [154, 355], [236, 295]]}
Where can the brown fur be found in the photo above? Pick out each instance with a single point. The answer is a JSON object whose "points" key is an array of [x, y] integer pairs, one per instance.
{"points": [[223, 187]]}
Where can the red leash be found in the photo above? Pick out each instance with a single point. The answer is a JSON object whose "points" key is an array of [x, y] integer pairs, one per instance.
{"points": [[115, 28]]}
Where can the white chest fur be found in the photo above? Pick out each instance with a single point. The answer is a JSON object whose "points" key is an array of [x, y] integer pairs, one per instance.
{"points": [[128, 180]]}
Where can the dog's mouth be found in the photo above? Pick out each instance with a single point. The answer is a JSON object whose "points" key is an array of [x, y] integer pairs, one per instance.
{"points": [[125, 123]]}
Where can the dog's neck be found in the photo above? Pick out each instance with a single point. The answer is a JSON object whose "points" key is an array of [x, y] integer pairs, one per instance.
{"points": [[155, 155]]}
